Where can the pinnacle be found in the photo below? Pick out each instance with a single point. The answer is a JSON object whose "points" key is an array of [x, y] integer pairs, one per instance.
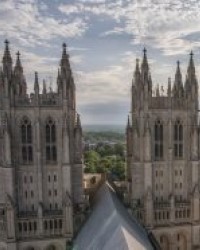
{"points": [[6, 42], [18, 54]]}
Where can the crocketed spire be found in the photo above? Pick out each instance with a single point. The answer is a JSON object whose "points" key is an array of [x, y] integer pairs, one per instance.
{"points": [[19, 79], [191, 67], [191, 80], [36, 83], [178, 76], [178, 89], [137, 73], [7, 56], [145, 64], [18, 65], [78, 121], [65, 58], [44, 89], [169, 87], [7, 60], [128, 122], [145, 73]]}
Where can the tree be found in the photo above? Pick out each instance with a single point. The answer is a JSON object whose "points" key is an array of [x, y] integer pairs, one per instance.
{"points": [[119, 149], [92, 159]]}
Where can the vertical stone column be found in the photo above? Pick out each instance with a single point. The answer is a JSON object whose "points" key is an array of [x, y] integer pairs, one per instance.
{"points": [[7, 147], [170, 156], [149, 208], [10, 218], [39, 158], [172, 209], [68, 218], [195, 204]]}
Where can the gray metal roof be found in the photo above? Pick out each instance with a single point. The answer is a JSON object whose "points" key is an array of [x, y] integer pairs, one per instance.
{"points": [[110, 227]]}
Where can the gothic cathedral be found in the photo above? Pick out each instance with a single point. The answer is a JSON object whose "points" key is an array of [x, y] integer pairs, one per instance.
{"points": [[163, 154], [40, 159]]}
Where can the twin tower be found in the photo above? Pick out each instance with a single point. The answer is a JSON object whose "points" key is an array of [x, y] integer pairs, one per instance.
{"points": [[41, 168]]}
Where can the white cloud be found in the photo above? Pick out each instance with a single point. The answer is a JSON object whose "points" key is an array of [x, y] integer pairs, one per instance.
{"points": [[108, 84], [23, 21], [161, 24]]}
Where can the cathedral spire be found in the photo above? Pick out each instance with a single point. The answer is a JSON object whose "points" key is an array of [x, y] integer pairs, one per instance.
{"points": [[36, 84], [18, 65], [191, 67], [44, 89], [169, 87], [7, 55], [178, 84], [128, 123], [7, 60], [65, 58], [19, 82], [18, 62], [191, 84], [137, 73], [178, 76], [145, 64], [78, 121], [137, 68]]}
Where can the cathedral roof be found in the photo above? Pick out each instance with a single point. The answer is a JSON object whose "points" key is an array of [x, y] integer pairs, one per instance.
{"points": [[110, 226]]}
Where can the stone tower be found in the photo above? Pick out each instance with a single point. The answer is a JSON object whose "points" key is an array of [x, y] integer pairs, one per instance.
{"points": [[40, 159], [163, 172]]}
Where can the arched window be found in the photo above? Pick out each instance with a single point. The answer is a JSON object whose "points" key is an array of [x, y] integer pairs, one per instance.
{"points": [[178, 140], [158, 137], [26, 141], [51, 149]]}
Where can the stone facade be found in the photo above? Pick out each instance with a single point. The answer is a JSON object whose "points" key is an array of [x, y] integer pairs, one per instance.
{"points": [[163, 154], [40, 159]]}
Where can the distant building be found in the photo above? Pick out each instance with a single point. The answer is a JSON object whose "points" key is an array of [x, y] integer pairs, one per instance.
{"points": [[40, 159], [163, 155]]}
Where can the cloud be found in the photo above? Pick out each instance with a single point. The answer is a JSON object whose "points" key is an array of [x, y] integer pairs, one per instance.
{"points": [[162, 24], [24, 21], [103, 95]]}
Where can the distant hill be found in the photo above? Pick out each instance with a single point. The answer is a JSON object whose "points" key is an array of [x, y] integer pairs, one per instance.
{"points": [[104, 128]]}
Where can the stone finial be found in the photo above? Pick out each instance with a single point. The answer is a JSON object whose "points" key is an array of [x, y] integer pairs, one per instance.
{"points": [[137, 68], [18, 61], [7, 56], [145, 65], [169, 87], [136, 78], [36, 84], [178, 89], [128, 122], [65, 58], [78, 121], [191, 66], [44, 90]]}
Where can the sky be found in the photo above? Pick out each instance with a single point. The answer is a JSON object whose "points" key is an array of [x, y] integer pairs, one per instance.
{"points": [[104, 38]]}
